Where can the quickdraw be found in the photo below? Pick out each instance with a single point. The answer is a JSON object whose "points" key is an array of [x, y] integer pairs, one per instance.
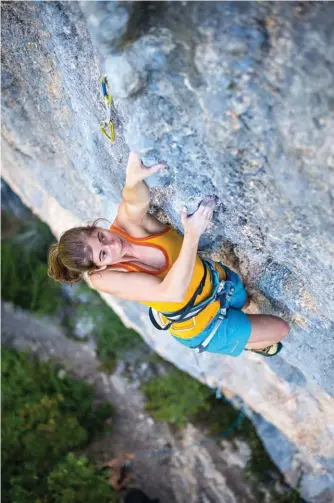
{"points": [[107, 123]]}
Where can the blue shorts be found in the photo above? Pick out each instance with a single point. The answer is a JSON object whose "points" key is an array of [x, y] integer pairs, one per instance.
{"points": [[233, 332]]}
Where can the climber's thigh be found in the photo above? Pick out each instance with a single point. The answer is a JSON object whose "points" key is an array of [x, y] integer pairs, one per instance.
{"points": [[267, 328]]}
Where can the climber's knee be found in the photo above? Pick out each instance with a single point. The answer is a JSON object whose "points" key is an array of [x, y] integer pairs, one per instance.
{"points": [[280, 329], [284, 328], [266, 327]]}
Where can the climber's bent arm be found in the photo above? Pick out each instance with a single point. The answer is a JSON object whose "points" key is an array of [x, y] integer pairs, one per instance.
{"points": [[148, 288], [136, 194], [135, 202], [136, 286], [180, 274]]}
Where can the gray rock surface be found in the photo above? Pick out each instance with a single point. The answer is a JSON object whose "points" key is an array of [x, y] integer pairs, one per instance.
{"points": [[238, 99]]}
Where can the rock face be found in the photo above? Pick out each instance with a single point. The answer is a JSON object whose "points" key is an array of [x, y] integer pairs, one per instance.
{"points": [[238, 99]]}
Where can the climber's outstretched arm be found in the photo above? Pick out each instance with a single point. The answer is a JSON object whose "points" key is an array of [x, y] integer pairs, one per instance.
{"points": [[136, 194]]}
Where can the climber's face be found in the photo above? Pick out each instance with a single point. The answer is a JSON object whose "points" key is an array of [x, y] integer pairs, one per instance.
{"points": [[107, 247]]}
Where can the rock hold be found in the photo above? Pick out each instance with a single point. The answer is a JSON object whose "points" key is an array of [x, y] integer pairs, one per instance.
{"points": [[125, 80]]}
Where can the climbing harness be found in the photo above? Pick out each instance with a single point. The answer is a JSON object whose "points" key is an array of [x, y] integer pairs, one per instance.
{"points": [[221, 290], [183, 314], [107, 123]]}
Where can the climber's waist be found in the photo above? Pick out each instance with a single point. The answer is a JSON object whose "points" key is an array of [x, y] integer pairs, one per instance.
{"points": [[193, 319]]}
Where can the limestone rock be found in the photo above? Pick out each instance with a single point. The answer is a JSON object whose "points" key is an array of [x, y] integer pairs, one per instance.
{"points": [[238, 98]]}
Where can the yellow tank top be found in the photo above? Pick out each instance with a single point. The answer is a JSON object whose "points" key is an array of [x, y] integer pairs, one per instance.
{"points": [[169, 241]]}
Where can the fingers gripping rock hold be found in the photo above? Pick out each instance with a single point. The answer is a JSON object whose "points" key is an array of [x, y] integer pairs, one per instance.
{"points": [[198, 222], [210, 201]]}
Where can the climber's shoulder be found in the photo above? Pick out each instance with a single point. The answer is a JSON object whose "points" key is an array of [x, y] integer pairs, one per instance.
{"points": [[141, 228]]}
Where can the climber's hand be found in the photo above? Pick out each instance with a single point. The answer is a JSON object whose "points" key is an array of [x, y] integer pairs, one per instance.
{"points": [[198, 222], [136, 171]]}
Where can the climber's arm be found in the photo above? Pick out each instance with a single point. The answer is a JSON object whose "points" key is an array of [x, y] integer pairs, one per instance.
{"points": [[136, 193], [137, 286], [135, 202]]}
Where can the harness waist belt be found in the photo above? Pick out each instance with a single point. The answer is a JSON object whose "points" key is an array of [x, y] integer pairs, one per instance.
{"points": [[222, 290]]}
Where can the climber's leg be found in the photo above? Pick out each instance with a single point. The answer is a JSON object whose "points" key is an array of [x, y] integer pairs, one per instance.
{"points": [[266, 330], [239, 331]]}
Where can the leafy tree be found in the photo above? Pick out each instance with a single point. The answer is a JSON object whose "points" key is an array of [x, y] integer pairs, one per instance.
{"points": [[44, 416]]}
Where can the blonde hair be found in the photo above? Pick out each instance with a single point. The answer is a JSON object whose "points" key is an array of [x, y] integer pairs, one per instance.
{"points": [[71, 257]]}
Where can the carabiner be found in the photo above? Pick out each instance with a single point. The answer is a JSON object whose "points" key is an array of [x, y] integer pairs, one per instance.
{"points": [[103, 128], [107, 97], [107, 123]]}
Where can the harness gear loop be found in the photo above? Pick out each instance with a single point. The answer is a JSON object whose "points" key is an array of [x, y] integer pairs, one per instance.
{"points": [[222, 291], [107, 123]]}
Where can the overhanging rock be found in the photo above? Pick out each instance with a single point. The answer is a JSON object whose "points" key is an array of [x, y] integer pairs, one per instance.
{"points": [[238, 99]]}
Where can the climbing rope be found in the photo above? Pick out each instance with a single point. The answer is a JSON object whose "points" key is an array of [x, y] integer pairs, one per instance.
{"points": [[107, 126]]}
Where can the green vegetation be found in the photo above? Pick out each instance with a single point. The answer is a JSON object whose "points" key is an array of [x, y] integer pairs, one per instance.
{"points": [[76, 480], [291, 496], [177, 398], [44, 417], [23, 266], [112, 336], [25, 283]]}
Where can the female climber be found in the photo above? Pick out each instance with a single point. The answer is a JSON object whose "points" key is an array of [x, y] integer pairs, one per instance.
{"points": [[140, 258]]}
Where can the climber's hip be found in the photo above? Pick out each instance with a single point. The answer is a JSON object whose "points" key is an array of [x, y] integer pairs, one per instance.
{"points": [[233, 331]]}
